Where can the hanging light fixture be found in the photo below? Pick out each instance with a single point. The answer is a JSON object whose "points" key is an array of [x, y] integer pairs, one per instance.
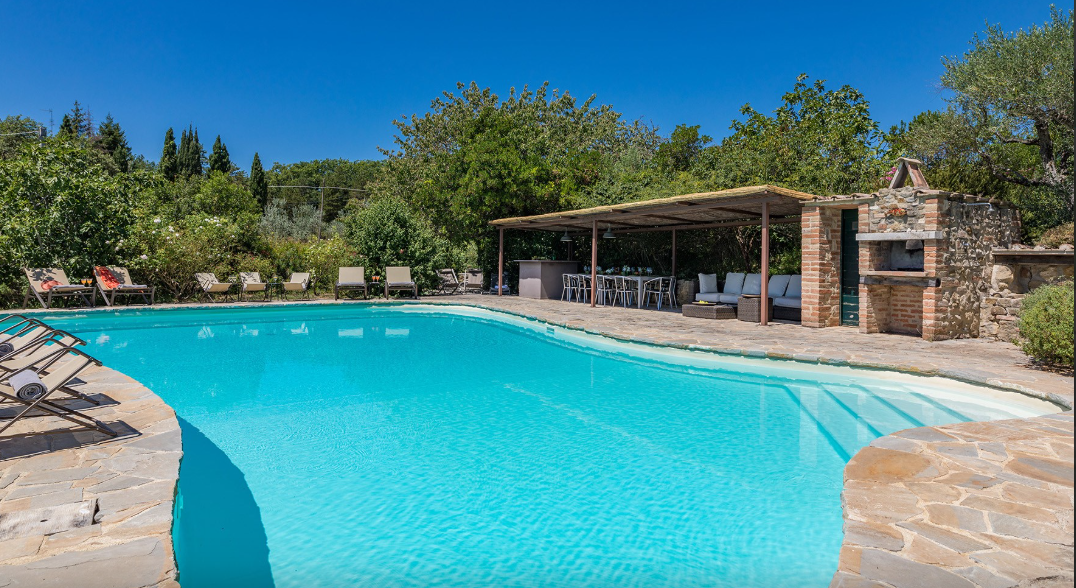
{"points": [[609, 233], [565, 238]]}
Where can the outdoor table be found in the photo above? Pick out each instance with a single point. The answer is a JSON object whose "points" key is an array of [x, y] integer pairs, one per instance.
{"points": [[709, 311], [270, 287], [640, 282]]}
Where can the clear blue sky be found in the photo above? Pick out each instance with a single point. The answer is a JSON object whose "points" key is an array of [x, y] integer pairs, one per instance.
{"points": [[307, 80]]}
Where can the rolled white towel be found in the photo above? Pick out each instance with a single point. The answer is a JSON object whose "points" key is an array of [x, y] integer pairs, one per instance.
{"points": [[134, 286], [27, 385], [6, 348]]}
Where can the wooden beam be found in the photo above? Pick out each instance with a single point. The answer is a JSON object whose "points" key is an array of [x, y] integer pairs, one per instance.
{"points": [[765, 302], [500, 264], [724, 203], [715, 225], [594, 266]]}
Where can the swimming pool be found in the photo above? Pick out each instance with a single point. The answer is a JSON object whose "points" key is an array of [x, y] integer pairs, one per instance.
{"points": [[414, 445]]}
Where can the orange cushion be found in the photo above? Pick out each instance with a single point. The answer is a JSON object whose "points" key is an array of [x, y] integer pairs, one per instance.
{"points": [[49, 285], [107, 277]]}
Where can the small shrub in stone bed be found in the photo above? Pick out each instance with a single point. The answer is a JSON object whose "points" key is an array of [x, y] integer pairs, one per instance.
{"points": [[1046, 327]]}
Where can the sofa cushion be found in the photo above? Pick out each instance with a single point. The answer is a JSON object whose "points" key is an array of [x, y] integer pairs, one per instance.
{"points": [[733, 284], [708, 296], [729, 299], [787, 301], [777, 286], [708, 284], [795, 287], [752, 284]]}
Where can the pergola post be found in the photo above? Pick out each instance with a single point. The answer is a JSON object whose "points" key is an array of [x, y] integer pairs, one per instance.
{"points": [[674, 252], [500, 263], [765, 302], [594, 265]]}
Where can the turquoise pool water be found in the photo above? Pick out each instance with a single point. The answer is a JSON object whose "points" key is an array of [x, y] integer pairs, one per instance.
{"points": [[420, 446]]}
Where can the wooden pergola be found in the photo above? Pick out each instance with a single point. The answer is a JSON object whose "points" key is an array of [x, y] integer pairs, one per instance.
{"points": [[738, 207]]}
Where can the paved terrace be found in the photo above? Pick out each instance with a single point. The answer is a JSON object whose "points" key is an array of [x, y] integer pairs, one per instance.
{"points": [[971, 505]]}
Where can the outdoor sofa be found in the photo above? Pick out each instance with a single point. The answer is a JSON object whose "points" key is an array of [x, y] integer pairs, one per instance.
{"points": [[785, 290]]}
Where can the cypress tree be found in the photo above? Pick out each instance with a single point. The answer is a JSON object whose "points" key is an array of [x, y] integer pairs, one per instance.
{"points": [[259, 185], [169, 164], [184, 167], [197, 155], [219, 160], [114, 142]]}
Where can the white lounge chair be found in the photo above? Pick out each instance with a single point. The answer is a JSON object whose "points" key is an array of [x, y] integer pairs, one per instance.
{"points": [[350, 279], [298, 282], [398, 279], [251, 282], [211, 285]]}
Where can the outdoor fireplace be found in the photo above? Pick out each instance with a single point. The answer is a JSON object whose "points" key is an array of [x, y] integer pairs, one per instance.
{"points": [[922, 258]]}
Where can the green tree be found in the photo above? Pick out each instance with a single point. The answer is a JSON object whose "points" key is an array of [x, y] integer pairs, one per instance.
{"points": [[169, 164], [16, 131], [60, 207], [1010, 107], [197, 155], [218, 159], [681, 150], [113, 141], [259, 185], [819, 140]]}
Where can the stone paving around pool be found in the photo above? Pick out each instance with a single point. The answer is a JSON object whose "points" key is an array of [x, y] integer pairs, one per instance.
{"points": [[971, 505], [128, 484]]}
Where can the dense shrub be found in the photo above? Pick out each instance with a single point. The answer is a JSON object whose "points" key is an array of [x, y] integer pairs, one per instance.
{"points": [[1046, 327], [1057, 236], [324, 259], [389, 233]]}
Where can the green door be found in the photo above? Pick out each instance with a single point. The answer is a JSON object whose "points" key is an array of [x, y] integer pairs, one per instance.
{"points": [[849, 268]]}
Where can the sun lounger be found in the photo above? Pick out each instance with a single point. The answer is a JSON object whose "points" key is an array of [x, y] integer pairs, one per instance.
{"points": [[351, 279], [211, 285], [251, 282], [450, 284], [115, 281], [33, 385], [472, 281], [299, 282], [398, 279], [47, 284]]}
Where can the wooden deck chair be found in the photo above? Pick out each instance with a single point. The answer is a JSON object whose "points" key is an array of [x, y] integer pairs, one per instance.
{"points": [[114, 281], [211, 285], [299, 282], [472, 281], [32, 387], [49, 283], [351, 279], [398, 279], [251, 282], [450, 283]]}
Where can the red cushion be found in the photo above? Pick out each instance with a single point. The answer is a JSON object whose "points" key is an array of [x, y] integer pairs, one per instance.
{"points": [[49, 285], [107, 277]]}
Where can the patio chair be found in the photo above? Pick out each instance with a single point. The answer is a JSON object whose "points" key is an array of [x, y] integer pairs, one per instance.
{"points": [[298, 282], [49, 283], [660, 288], [114, 281], [53, 372], [251, 282], [450, 283], [606, 289], [472, 281], [350, 279], [626, 290], [567, 288], [211, 285], [398, 279], [19, 332], [40, 349]]}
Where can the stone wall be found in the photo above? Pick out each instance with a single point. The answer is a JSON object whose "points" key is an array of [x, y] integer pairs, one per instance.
{"points": [[1011, 278]]}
